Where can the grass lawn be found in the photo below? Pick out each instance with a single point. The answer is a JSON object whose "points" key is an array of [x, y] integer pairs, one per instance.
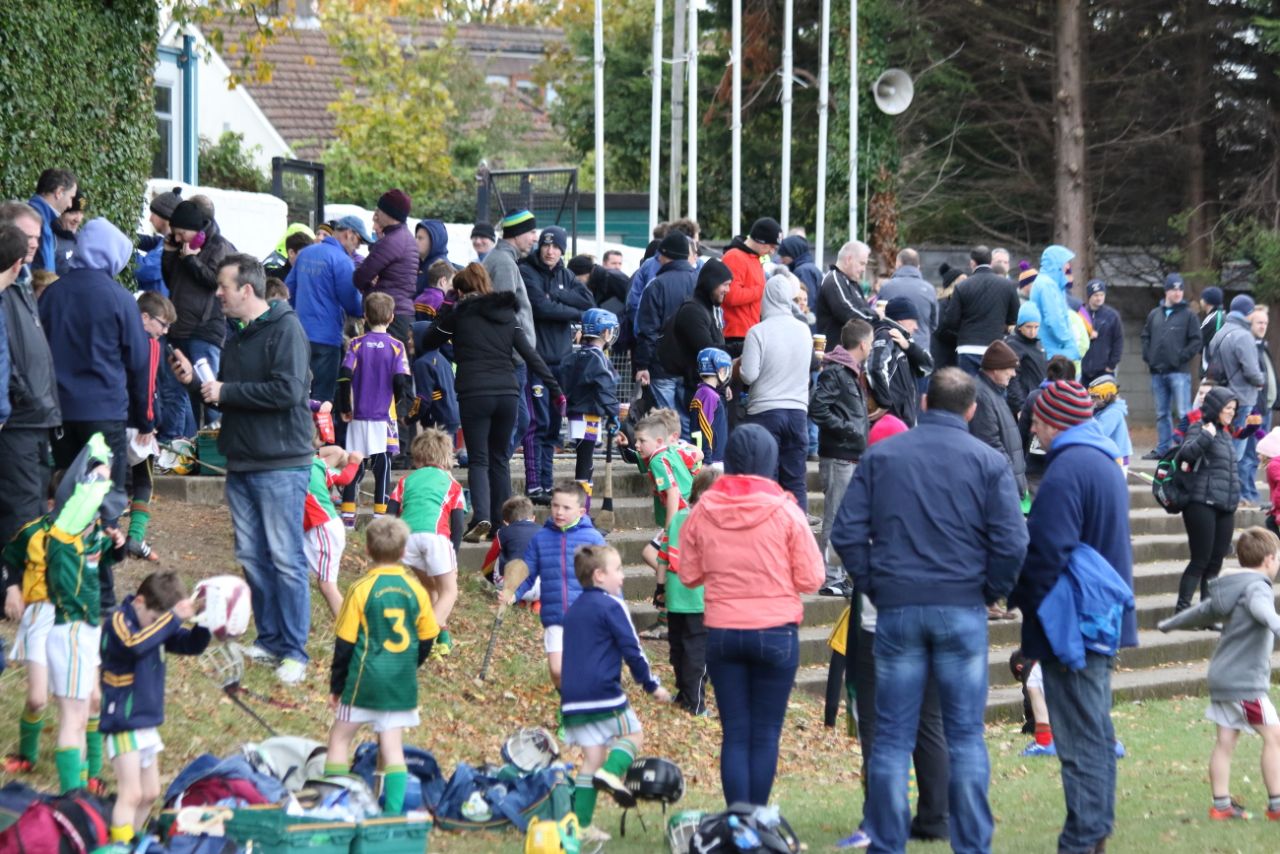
{"points": [[1163, 786]]}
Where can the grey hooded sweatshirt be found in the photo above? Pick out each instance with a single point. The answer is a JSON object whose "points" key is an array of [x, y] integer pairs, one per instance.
{"points": [[777, 353], [1245, 603]]}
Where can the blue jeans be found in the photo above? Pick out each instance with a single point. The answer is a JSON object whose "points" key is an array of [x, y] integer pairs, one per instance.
{"points": [[1248, 469], [913, 643], [173, 407], [1173, 400], [669, 392], [193, 349], [326, 359], [266, 514], [1242, 415], [1080, 709], [752, 671], [789, 427]]}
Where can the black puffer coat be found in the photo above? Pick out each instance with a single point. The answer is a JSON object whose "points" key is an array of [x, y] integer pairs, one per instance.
{"points": [[1213, 479], [994, 424], [1031, 369]]}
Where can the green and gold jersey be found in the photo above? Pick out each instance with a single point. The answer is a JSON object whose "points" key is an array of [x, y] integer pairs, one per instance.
{"points": [[72, 575], [384, 616], [25, 554]]}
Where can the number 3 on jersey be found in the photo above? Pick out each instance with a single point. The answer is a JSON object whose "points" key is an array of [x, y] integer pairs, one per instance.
{"points": [[396, 616]]}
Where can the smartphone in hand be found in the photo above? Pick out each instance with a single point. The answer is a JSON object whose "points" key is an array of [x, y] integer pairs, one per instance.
{"points": [[197, 241]]}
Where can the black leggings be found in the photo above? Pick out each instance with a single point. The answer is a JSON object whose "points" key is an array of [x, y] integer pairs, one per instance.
{"points": [[381, 466], [487, 423], [1209, 537]]}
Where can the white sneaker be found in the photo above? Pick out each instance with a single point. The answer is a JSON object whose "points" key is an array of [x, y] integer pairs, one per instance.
{"points": [[260, 654], [592, 834], [291, 671]]}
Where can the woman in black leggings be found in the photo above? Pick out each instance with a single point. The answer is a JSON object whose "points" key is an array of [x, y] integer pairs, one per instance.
{"points": [[485, 334], [1214, 488]]}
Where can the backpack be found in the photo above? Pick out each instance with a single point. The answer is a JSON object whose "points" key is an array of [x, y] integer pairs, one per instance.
{"points": [[76, 823], [743, 827], [1169, 485]]}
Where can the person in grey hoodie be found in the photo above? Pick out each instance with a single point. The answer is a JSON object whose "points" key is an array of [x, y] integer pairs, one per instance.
{"points": [[908, 282], [1233, 362], [777, 357], [1240, 670]]}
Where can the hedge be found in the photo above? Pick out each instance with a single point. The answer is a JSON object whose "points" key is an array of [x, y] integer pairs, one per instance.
{"points": [[76, 81]]}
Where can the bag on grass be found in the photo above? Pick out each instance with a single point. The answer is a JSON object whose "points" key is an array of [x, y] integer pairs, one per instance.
{"points": [[71, 824], [743, 827]]}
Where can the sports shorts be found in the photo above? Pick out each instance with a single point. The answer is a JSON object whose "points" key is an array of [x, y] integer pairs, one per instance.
{"points": [[553, 638], [324, 545], [145, 741], [380, 719], [430, 553], [1244, 715], [600, 732], [73, 660], [32, 641]]}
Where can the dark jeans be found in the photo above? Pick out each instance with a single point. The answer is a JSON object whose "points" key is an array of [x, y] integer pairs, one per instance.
{"points": [[486, 426], [72, 436], [325, 362], [1209, 537], [687, 634], [522, 416], [791, 430], [546, 432], [173, 407], [1248, 468], [752, 671], [1080, 708], [24, 477], [933, 767]]}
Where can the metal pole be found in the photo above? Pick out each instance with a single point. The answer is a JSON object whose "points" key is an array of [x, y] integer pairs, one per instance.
{"points": [[655, 117], [820, 232], [675, 198], [735, 215], [599, 80], [853, 119], [693, 110], [788, 58]]}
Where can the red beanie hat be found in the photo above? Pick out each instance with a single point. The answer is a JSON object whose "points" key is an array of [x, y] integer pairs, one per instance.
{"points": [[395, 204]]}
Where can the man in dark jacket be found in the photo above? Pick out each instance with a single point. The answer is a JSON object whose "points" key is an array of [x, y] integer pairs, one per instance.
{"points": [[1214, 317], [392, 265], [908, 282], [190, 266], [930, 545], [698, 324], [992, 421], [31, 391], [1170, 340], [101, 354], [1233, 361], [1024, 341], [794, 251], [55, 188], [1088, 503], [840, 296], [661, 299], [266, 438], [897, 362], [1106, 340], [558, 300], [981, 309]]}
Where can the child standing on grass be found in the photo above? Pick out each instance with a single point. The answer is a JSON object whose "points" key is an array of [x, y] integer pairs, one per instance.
{"points": [[375, 374], [383, 635], [599, 636], [324, 536], [134, 643], [32, 641], [1240, 670], [157, 314], [591, 388], [511, 540], [687, 630], [430, 502]]}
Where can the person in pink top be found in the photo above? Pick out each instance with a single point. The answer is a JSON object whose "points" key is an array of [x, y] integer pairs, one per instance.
{"points": [[749, 544], [1269, 456]]}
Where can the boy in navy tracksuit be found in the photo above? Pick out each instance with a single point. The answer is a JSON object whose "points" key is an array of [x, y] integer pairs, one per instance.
{"points": [[599, 636], [512, 538], [436, 403], [591, 389], [133, 644]]}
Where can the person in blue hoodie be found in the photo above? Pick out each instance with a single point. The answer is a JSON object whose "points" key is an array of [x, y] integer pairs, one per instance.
{"points": [[1049, 293], [794, 251], [1083, 498], [321, 290], [433, 246], [101, 353], [55, 189]]}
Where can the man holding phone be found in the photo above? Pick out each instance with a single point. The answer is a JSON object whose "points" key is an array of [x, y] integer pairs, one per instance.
{"points": [[192, 255]]}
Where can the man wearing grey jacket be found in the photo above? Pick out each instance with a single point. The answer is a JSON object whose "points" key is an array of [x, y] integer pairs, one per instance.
{"points": [[1233, 361], [777, 356], [908, 282], [519, 233]]}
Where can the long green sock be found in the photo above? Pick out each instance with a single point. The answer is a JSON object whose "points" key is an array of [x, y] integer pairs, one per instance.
{"points": [[620, 758], [68, 762], [29, 736], [584, 799], [93, 748], [335, 769], [139, 516], [394, 781], [445, 638]]}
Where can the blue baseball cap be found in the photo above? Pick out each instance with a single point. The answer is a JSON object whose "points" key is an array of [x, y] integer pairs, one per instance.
{"points": [[1173, 280], [351, 222]]}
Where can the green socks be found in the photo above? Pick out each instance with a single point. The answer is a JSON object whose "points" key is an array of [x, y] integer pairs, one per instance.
{"points": [[394, 782], [335, 769], [445, 638], [68, 761], [139, 516], [93, 748], [620, 758], [29, 736], [584, 799]]}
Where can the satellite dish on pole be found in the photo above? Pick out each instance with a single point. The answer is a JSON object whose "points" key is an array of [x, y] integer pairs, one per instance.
{"points": [[893, 91]]}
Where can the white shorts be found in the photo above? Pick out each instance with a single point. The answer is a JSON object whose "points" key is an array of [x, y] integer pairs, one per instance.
{"points": [[553, 638], [367, 437], [381, 719], [324, 545], [146, 742], [1035, 679], [32, 642], [1244, 715], [599, 733], [73, 660], [430, 553]]}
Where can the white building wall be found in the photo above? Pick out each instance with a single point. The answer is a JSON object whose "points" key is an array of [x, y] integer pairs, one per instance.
{"points": [[221, 109]]}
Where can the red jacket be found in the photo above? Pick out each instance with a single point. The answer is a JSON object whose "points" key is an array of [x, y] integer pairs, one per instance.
{"points": [[742, 303]]}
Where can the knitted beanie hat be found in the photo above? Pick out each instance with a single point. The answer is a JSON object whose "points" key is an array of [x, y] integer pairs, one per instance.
{"points": [[999, 356], [518, 223], [1028, 274], [1063, 404]]}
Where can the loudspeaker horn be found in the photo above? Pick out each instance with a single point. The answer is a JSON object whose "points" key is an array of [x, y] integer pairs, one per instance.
{"points": [[893, 91]]}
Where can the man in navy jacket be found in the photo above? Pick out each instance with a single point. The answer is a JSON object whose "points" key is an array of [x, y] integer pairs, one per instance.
{"points": [[1107, 344], [1082, 499]]}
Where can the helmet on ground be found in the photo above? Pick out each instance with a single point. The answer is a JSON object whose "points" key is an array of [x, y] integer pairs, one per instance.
{"points": [[178, 458], [713, 360], [596, 322], [655, 779], [545, 836], [680, 829], [530, 749]]}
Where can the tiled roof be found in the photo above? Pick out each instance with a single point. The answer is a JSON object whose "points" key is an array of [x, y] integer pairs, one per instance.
{"points": [[307, 73]]}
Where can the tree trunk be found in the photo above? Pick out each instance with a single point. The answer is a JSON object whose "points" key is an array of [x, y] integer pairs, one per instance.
{"points": [[678, 83], [1072, 219], [1199, 250]]}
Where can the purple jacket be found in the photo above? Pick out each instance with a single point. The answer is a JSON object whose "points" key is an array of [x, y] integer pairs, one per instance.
{"points": [[393, 262]]}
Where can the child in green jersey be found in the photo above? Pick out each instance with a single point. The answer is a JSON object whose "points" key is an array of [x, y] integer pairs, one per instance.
{"points": [[687, 631]]}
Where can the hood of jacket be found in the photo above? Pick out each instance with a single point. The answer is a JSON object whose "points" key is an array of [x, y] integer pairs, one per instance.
{"points": [[1117, 407], [101, 246], [1214, 402], [740, 242], [1053, 263], [797, 249], [713, 274], [743, 502], [751, 450], [1089, 434], [778, 297], [1225, 591], [439, 241], [841, 356], [496, 307], [1235, 318]]}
